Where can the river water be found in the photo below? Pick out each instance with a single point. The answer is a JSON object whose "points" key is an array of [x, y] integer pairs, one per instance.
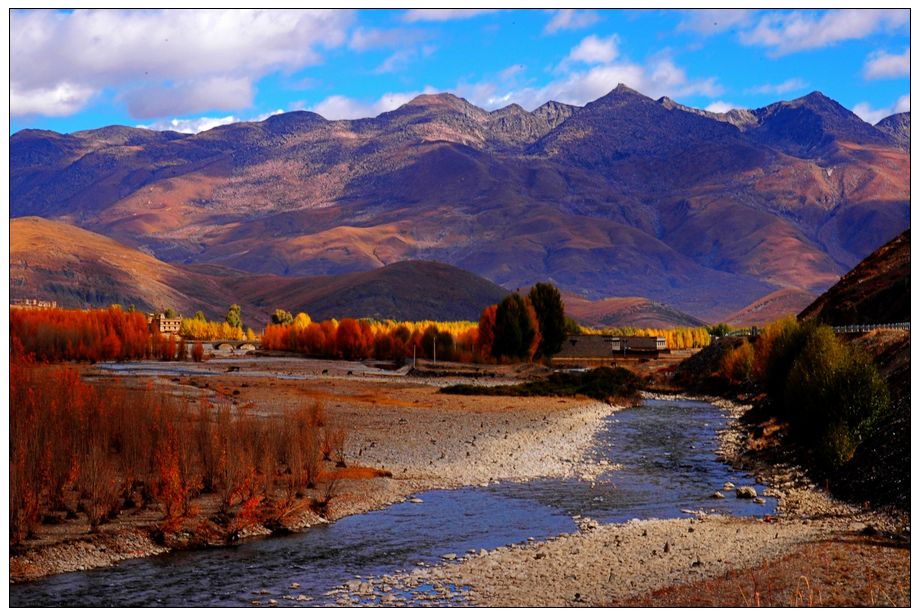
{"points": [[665, 450]]}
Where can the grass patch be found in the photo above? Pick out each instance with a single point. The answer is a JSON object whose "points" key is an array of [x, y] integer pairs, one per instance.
{"points": [[605, 384]]}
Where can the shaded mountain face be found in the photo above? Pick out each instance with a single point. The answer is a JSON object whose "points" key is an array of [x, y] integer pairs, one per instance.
{"points": [[625, 197], [876, 291]]}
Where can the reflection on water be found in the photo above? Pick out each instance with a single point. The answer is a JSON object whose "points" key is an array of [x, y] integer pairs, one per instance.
{"points": [[668, 465]]}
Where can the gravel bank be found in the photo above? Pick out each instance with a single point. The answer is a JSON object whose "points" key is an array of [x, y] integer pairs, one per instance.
{"points": [[603, 564], [427, 440]]}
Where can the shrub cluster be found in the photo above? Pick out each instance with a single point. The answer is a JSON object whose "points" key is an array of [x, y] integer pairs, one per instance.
{"points": [[829, 391], [80, 447]]}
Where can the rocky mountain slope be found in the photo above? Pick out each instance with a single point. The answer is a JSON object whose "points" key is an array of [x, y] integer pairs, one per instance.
{"points": [[624, 197]]}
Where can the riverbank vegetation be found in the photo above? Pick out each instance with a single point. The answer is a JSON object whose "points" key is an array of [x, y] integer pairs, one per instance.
{"points": [[612, 385], [829, 391], [80, 449]]}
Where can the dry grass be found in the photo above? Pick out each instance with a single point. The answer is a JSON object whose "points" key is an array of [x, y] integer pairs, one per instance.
{"points": [[850, 571]]}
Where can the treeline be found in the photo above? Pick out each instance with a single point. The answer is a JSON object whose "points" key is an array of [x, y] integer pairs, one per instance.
{"points": [[828, 390], [677, 337], [199, 328], [362, 339], [519, 328], [88, 335], [80, 448]]}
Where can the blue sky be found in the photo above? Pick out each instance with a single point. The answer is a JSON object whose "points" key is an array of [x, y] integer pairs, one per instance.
{"points": [[191, 70]]}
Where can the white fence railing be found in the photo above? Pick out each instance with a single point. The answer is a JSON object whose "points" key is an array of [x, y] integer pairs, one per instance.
{"points": [[840, 329]]}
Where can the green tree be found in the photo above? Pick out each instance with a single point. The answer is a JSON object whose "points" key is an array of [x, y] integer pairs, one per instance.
{"points": [[720, 329], [515, 328], [282, 317], [572, 328], [199, 316], [547, 303], [170, 313], [233, 316]]}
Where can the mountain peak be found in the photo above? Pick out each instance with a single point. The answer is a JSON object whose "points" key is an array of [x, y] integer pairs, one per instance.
{"points": [[440, 99], [622, 88], [512, 109]]}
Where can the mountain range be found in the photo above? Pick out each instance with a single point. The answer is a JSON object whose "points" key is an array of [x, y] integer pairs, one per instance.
{"points": [[703, 213]]}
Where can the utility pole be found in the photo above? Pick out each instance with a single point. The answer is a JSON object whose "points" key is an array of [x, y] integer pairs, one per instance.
{"points": [[413, 357]]}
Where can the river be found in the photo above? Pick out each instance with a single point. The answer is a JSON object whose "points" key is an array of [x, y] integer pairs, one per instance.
{"points": [[667, 466]]}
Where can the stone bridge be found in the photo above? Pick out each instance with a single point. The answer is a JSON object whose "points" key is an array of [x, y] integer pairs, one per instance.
{"points": [[231, 345]]}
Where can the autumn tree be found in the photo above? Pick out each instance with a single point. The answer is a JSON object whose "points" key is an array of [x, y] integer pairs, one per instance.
{"points": [[282, 317], [547, 303]]}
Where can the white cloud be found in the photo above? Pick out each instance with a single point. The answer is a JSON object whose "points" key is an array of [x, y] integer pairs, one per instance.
{"points": [[512, 72], [779, 88], [720, 107], [414, 15], [571, 19], [62, 99], [363, 39], [161, 50], [882, 65], [345, 108], [265, 116], [400, 60], [593, 50], [786, 33], [872, 116], [195, 96], [396, 61], [190, 125], [197, 125], [658, 77], [713, 21]]}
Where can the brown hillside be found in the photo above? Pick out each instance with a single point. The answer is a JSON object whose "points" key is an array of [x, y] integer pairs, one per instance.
{"points": [[626, 312], [771, 307], [875, 291]]}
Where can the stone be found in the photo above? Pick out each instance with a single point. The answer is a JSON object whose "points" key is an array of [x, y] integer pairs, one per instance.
{"points": [[449, 556], [760, 501], [717, 494], [746, 492], [416, 501], [728, 486]]}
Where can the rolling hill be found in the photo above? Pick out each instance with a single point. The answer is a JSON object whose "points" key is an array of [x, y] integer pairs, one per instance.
{"points": [[77, 268], [624, 197]]}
